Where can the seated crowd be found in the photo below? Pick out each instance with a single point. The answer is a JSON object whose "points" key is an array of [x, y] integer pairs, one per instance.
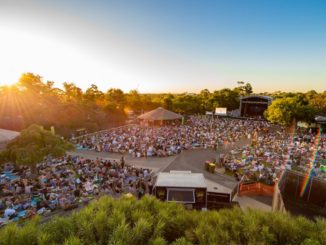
{"points": [[70, 181], [200, 131], [64, 184], [270, 153], [271, 150]]}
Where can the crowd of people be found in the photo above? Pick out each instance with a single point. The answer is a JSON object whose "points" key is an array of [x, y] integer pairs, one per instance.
{"points": [[68, 182], [270, 149], [64, 184], [142, 141], [270, 153]]}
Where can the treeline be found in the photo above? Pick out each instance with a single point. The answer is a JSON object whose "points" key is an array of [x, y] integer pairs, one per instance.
{"points": [[33, 100], [150, 221]]}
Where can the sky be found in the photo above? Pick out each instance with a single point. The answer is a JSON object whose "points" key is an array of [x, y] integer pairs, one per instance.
{"points": [[166, 45]]}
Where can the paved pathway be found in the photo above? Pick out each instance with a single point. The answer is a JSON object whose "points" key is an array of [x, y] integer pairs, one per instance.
{"points": [[192, 160], [254, 202], [157, 164]]}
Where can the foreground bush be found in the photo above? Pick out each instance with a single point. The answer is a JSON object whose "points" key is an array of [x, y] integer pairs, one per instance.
{"points": [[149, 221]]}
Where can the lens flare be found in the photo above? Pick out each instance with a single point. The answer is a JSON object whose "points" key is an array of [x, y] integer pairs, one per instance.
{"points": [[312, 164]]}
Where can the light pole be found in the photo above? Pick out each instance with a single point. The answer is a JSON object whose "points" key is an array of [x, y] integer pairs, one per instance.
{"points": [[218, 153]]}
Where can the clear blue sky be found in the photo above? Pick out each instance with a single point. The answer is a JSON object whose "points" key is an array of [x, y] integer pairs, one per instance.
{"points": [[167, 45]]}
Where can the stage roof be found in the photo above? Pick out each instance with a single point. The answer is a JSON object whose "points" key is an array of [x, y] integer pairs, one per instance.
{"points": [[268, 98]]}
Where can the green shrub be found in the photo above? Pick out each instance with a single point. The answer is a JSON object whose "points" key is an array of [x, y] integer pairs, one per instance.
{"points": [[150, 221], [73, 241], [58, 229]]}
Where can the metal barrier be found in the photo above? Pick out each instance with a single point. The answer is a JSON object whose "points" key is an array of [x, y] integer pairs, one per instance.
{"points": [[104, 131]]}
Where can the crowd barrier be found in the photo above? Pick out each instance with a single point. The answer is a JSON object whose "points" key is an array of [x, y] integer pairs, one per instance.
{"points": [[103, 131], [255, 189]]}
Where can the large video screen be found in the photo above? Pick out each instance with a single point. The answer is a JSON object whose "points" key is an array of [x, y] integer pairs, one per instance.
{"points": [[220, 111]]}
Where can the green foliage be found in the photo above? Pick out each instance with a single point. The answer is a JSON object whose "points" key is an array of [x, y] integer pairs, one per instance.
{"points": [[284, 110], [73, 241], [243, 88], [33, 144], [14, 235], [71, 108], [33, 101], [150, 221], [182, 241], [58, 230]]}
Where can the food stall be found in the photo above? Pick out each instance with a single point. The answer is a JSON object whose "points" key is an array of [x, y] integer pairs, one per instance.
{"points": [[183, 187]]}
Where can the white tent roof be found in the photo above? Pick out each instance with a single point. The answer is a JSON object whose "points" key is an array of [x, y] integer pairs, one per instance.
{"points": [[320, 118], [181, 179], [7, 135], [160, 114]]}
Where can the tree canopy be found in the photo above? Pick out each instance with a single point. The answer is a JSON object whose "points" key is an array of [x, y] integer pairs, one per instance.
{"points": [[284, 110], [33, 145], [33, 100]]}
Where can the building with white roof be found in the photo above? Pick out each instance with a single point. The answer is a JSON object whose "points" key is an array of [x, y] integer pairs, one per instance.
{"points": [[183, 187]]}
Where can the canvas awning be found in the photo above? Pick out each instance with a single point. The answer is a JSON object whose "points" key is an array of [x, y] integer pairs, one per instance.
{"points": [[160, 114], [7, 135]]}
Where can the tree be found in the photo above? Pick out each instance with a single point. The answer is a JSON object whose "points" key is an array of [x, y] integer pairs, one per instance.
{"points": [[248, 89], [134, 100], [243, 88], [187, 104], [72, 92], [93, 94], [33, 144], [284, 110], [116, 97], [33, 101], [32, 83], [226, 98], [318, 101], [206, 100], [168, 102]]}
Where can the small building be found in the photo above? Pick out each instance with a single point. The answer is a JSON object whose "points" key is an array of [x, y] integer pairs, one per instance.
{"points": [[254, 105], [182, 187], [321, 122], [160, 116]]}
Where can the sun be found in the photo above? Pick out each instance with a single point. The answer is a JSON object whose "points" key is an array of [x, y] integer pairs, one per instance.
{"points": [[8, 79]]}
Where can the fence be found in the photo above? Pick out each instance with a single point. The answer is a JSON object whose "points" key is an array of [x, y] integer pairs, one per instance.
{"points": [[103, 131], [255, 189]]}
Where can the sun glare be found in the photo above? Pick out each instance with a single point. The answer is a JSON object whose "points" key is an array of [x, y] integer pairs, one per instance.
{"points": [[18, 53], [25, 50], [7, 80]]}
